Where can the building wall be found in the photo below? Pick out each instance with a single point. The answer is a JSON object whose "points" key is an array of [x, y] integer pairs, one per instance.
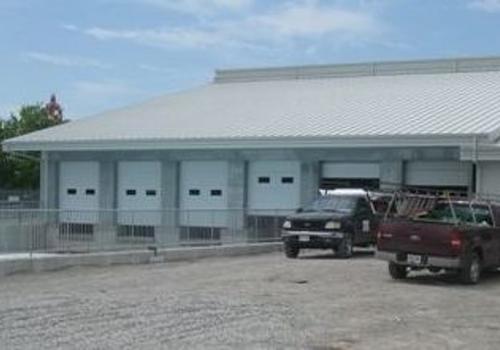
{"points": [[391, 168], [488, 179]]}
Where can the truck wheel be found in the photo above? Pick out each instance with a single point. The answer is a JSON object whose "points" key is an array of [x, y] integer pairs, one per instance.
{"points": [[291, 250], [344, 250], [397, 272], [471, 271]]}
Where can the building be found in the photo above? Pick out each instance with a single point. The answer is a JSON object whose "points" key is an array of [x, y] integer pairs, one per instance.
{"points": [[257, 140]]}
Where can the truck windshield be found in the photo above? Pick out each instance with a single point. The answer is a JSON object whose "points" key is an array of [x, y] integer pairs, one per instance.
{"points": [[333, 203]]}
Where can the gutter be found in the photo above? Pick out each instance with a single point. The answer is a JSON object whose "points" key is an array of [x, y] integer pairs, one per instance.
{"points": [[23, 156], [385, 141]]}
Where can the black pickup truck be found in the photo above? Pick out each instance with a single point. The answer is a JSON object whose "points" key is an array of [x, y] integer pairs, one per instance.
{"points": [[454, 235], [339, 220]]}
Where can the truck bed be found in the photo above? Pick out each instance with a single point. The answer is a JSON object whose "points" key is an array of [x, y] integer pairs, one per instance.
{"points": [[419, 237]]}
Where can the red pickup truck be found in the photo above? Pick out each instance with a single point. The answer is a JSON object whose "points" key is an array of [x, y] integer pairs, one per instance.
{"points": [[457, 235]]}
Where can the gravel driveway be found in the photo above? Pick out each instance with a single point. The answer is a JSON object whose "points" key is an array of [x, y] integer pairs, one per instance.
{"points": [[258, 302]]}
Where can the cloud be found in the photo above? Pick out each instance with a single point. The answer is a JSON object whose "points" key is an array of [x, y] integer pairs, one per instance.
{"points": [[309, 19], [156, 69], [69, 27], [486, 5], [199, 7], [281, 25], [176, 37], [64, 61]]}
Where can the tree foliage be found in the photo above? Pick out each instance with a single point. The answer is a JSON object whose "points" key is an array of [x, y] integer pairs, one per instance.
{"points": [[17, 172]]}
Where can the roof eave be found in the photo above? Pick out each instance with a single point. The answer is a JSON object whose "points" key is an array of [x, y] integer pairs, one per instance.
{"points": [[246, 143], [494, 136]]}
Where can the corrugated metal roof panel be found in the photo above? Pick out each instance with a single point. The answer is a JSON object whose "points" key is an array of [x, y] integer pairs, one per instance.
{"points": [[395, 105]]}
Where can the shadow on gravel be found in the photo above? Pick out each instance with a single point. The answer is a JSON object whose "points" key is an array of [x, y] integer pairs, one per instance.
{"points": [[441, 279], [326, 256]]}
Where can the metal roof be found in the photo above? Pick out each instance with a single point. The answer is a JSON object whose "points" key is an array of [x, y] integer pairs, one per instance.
{"points": [[431, 66], [444, 108]]}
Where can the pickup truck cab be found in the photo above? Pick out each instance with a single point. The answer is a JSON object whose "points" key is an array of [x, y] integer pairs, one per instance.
{"points": [[338, 220], [455, 235]]}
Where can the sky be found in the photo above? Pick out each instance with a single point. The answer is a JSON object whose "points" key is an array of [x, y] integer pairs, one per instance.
{"points": [[97, 55]]}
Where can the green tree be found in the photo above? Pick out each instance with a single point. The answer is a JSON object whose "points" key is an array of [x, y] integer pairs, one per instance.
{"points": [[17, 172]]}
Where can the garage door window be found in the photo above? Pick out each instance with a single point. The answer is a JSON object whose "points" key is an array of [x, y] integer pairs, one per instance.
{"points": [[194, 192], [216, 193], [131, 192], [264, 179], [287, 180], [150, 193], [71, 191]]}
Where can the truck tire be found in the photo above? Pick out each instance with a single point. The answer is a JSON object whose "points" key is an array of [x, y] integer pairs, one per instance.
{"points": [[291, 250], [397, 272], [471, 270], [344, 250]]}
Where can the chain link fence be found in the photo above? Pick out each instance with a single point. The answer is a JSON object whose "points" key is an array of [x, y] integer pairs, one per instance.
{"points": [[64, 231], [19, 195]]}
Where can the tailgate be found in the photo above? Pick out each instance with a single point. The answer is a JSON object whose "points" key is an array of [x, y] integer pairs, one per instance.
{"points": [[420, 237]]}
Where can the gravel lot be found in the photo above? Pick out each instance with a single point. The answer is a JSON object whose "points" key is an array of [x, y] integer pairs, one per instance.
{"points": [[258, 302]]}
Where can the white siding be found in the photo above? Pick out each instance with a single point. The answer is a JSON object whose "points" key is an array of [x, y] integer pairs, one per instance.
{"points": [[203, 193], [351, 170], [489, 178], [273, 185], [79, 192], [139, 190], [436, 173]]}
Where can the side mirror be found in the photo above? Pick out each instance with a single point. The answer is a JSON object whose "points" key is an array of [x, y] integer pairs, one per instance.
{"points": [[299, 210]]}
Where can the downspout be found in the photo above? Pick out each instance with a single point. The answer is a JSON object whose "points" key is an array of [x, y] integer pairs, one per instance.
{"points": [[476, 185]]}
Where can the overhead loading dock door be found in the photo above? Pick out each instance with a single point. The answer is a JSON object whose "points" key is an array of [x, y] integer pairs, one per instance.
{"points": [[439, 175], [79, 192], [139, 193], [350, 175], [489, 179], [203, 194], [272, 186]]}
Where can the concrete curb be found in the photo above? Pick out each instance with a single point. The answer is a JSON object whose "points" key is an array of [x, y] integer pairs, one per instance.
{"points": [[132, 257]]}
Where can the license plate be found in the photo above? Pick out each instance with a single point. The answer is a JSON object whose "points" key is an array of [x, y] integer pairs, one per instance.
{"points": [[303, 238], [414, 259]]}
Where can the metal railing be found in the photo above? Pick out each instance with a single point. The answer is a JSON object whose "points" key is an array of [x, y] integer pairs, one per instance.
{"points": [[19, 205], [19, 195], [64, 231]]}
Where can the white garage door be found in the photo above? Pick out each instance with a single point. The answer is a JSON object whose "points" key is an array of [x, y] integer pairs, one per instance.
{"points": [[489, 178], [139, 193], [203, 193], [273, 185], [79, 192], [438, 174], [351, 170]]}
